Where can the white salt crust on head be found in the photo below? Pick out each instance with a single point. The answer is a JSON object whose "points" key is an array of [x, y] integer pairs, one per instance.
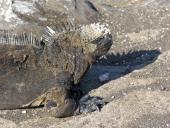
{"points": [[94, 30]]}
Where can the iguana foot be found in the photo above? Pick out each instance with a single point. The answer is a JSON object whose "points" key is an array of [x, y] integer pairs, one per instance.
{"points": [[64, 109], [89, 104], [58, 103]]}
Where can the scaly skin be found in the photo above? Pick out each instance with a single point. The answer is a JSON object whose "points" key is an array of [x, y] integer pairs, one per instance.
{"points": [[43, 72]]}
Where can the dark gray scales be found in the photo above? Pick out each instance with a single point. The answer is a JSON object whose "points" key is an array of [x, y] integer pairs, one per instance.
{"points": [[42, 72]]}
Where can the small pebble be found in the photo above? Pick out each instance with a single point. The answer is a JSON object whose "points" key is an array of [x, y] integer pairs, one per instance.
{"points": [[163, 88], [104, 77], [149, 88], [131, 83], [124, 93], [160, 48], [24, 112], [113, 97]]}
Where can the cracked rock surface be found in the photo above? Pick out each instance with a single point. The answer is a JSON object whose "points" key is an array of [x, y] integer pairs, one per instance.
{"points": [[138, 89]]}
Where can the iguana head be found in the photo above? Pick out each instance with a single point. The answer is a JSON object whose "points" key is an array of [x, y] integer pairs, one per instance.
{"points": [[95, 39]]}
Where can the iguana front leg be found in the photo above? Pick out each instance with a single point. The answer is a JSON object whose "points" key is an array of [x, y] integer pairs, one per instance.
{"points": [[57, 101]]}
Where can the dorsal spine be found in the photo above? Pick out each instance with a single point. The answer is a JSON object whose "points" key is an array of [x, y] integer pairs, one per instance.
{"points": [[8, 37]]}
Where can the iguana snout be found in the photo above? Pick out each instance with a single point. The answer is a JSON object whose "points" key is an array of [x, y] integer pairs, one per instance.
{"points": [[103, 45]]}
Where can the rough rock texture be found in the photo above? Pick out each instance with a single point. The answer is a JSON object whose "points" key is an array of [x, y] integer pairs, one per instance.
{"points": [[138, 90]]}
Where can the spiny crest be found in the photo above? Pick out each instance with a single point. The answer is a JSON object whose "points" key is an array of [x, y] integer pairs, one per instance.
{"points": [[66, 26], [53, 31], [7, 37], [47, 35], [88, 32]]}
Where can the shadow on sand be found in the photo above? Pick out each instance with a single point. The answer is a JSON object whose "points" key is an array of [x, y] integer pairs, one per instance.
{"points": [[117, 66]]}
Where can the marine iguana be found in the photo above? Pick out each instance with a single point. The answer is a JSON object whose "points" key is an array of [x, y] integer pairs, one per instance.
{"points": [[35, 72]]}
